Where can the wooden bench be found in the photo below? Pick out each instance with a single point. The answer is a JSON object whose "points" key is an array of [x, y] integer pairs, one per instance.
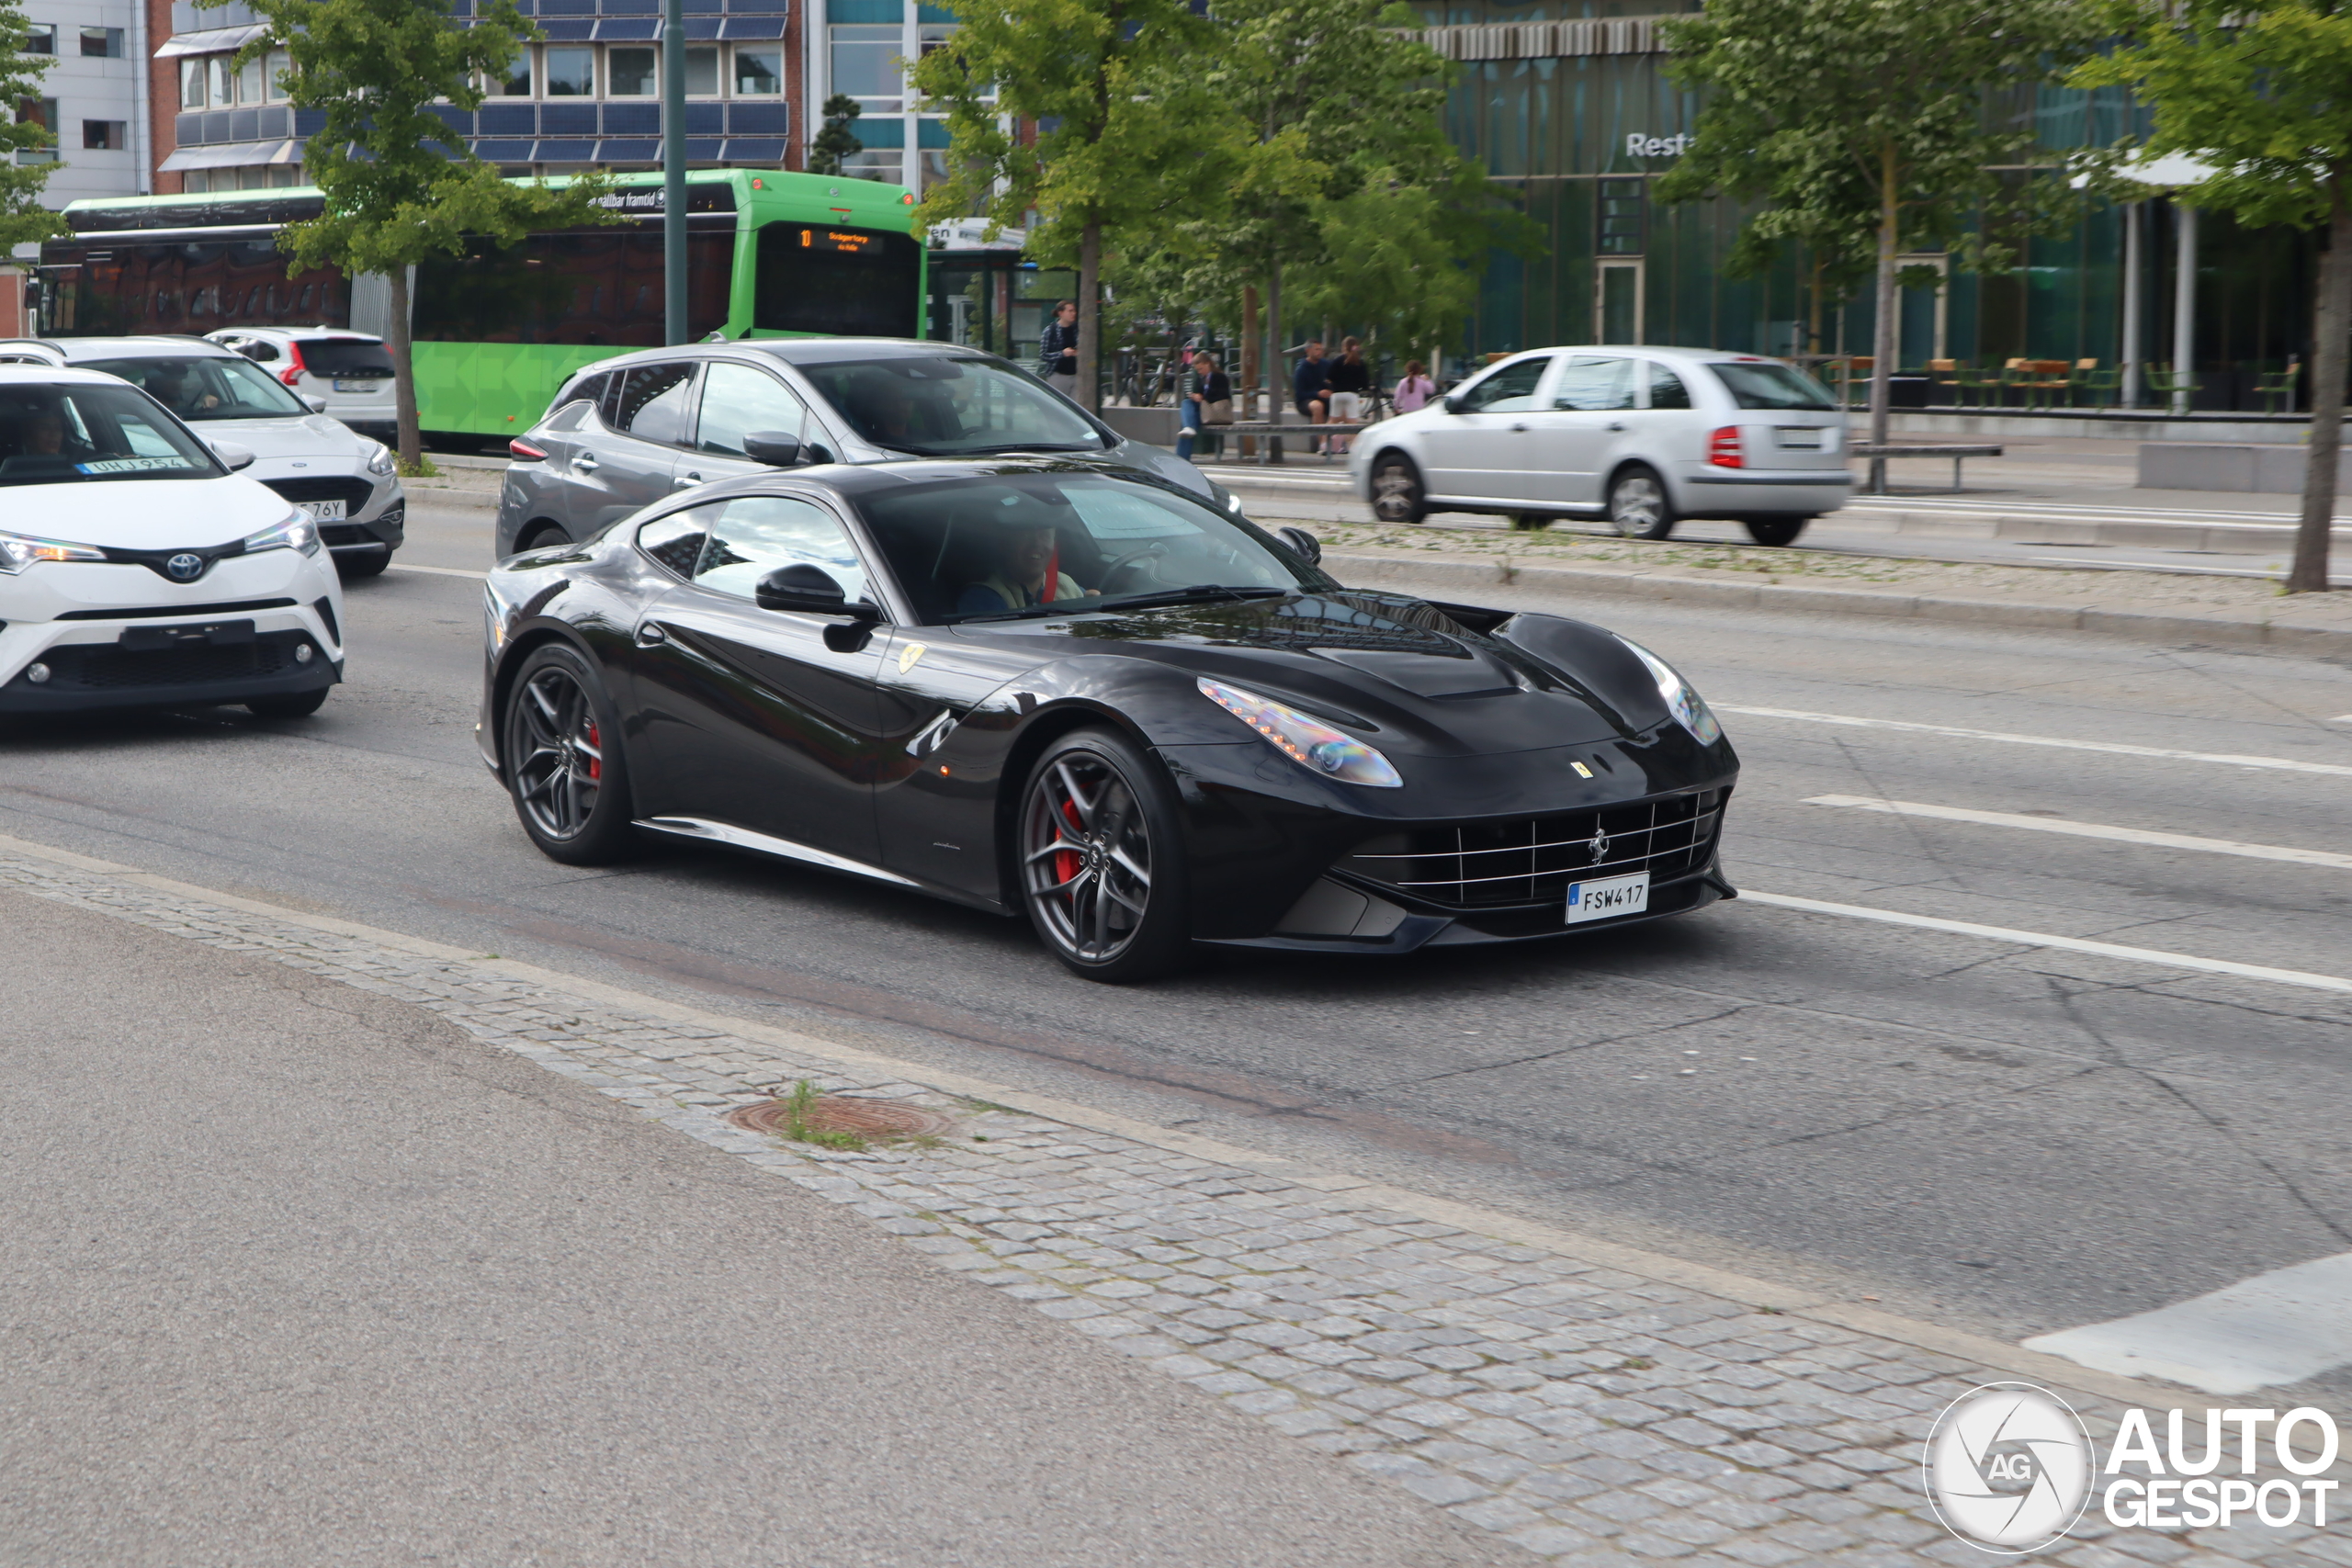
{"points": [[1272, 452], [1936, 449]]}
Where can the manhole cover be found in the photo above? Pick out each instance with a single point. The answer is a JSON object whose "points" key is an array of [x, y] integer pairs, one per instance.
{"points": [[845, 1113]]}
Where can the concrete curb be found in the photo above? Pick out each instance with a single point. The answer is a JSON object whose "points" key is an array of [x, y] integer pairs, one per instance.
{"points": [[1458, 574]]}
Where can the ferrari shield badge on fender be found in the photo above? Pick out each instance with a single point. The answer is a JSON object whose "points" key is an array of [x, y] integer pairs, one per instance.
{"points": [[909, 654]]}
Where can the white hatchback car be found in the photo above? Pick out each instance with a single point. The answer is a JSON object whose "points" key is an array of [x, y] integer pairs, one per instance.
{"points": [[138, 569], [347, 482], [1642, 437], [350, 372]]}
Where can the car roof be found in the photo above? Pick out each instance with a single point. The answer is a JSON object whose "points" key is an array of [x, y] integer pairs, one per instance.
{"points": [[55, 376], [1656, 351], [73, 348], [797, 351], [300, 333]]}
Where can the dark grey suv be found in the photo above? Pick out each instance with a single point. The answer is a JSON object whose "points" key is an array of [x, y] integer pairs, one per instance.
{"points": [[627, 432]]}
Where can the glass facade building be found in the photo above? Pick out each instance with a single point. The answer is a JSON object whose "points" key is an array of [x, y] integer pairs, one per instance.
{"points": [[1567, 103]]}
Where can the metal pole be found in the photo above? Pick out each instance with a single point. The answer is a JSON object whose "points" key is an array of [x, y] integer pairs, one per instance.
{"points": [[2184, 307], [673, 167], [2132, 309]]}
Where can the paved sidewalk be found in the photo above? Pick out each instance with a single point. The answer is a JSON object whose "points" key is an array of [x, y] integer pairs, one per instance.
{"points": [[1588, 1404]]}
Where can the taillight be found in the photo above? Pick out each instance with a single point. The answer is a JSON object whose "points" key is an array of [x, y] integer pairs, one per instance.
{"points": [[524, 450], [1723, 448], [292, 374]]}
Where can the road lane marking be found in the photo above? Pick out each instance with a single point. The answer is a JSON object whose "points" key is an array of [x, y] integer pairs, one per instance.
{"points": [[2066, 943], [2116, 748], [2279, 1327], [440, 570], [2086, 830]]}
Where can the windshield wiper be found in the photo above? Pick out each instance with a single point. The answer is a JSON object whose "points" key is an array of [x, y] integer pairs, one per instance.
{"points": [[1196, 594]]}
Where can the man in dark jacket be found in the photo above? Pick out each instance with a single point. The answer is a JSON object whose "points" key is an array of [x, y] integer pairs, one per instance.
{"points": [[1307, 387], [1058, 351], [1344, 388]]}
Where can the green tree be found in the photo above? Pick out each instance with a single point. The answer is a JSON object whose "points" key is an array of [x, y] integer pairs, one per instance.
{"points": [[1090, 113], [1894, 97], [834, 140], [1827, 212], [22, 218], [399, 184], [2258, 89]]}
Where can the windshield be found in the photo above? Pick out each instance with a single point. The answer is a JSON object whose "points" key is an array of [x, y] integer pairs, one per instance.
{"points": [[1764, 385], [1009, 544], [344, 356], [63, 433], [951, 407], [227, 388]]}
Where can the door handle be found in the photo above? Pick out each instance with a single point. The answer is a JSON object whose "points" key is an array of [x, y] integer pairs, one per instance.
{"points": [[651, 634], [1616, 424], [585, 460], [685, 481], [1519, 427]]}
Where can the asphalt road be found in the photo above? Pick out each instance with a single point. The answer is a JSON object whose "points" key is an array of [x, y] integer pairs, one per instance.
{"points": [[2002, 1139], [295, 1274]]}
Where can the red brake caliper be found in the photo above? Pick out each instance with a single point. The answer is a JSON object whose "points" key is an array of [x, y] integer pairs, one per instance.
{"points": [[596, 764], [1066, 864]]}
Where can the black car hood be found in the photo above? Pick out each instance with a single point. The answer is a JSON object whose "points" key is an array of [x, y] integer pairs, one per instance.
{"points": [[1397, 667]]}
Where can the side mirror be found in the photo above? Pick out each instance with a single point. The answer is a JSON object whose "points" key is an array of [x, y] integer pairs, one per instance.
{"points": [[318, 404], [1454, 404], [236, 457], [774, 449], [810, 589], [1306, 544]]}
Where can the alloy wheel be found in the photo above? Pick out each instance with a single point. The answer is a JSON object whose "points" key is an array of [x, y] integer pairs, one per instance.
{"points": [[1396, 493], [559, 769], [1086, 857], [1637, 506]]}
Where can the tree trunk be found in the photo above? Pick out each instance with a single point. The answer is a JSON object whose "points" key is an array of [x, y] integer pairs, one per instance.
{"points": [[1247, 383], [396, 341], [1882, 335], [2330, 330], [1089, 317], [1274, 399], [1813, 321]]}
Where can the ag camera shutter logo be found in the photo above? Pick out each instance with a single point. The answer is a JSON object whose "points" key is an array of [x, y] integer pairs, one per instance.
{"points": [[2008, 1468]]}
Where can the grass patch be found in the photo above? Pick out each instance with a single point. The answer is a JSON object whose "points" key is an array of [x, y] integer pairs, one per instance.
{"points": [[797, 1107], [423, 469]]}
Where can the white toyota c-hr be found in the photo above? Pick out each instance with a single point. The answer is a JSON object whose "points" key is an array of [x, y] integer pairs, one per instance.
{"points": [[138, 569], [1641, 436]]}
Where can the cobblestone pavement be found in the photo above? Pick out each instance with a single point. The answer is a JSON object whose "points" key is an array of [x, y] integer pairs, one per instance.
{"points": [[1591, 1413]]}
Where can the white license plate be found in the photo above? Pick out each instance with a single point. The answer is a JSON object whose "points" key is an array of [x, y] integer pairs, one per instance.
{"points": [[323, 511], [1608, 898], [357, 385], [1804, 440]]}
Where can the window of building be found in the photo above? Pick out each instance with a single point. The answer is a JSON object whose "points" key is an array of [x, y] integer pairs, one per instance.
{"points": [[40, 37], [275, 71], [102, 43], [866, 65], [192, 83], [631, 72], [885, 164], [702, 73], [759, 73], [224, 81], [514, 82], [935, 35], [572, 72], [1623, 211], [44, 113], [104, 136], [249, 82]]}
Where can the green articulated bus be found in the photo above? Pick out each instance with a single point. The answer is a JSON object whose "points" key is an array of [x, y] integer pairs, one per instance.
{"points": [[497, 329]]}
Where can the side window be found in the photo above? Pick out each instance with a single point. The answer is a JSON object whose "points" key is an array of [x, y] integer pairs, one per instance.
{"points": [[1511, 390], [676, 541], [587, 389], [1666, 390], [568, 417], [1595, 384], [756, 535], [737, 401], [656, 401]]}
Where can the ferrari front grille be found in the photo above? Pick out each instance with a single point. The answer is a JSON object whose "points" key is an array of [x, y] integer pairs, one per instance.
{"points": [[1533, 858]]}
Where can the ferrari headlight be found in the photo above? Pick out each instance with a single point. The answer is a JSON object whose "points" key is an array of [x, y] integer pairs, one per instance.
{"points": [[1313, 745], [1682, 700], [380, 462], [296, 533], [19, 551]]}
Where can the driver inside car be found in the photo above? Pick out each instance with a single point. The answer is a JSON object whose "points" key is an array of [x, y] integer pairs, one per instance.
{"points": [[1025, 556]]}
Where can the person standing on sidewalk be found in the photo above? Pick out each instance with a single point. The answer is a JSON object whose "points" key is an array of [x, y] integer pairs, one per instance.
{"points": [[1058, 352], [1346, 383], [1307, 387], [1416, 390], [1207, 402]]}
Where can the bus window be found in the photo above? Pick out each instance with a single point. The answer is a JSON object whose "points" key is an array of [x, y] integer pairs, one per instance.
{"points": [[841, 282]]}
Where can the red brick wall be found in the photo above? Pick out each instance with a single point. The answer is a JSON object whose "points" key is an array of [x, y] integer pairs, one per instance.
{"points": [[163, 95], [12, 306]]}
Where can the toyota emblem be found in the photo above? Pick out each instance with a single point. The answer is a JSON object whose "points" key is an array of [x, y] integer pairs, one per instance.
{"points": [[184, 566]]}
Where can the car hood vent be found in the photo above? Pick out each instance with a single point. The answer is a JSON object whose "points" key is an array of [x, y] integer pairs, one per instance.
{"points": [[1469, 672]]}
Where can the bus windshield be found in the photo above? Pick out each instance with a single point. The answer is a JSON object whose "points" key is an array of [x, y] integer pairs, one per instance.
{"points": [[947, 406], [226, 387]]}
